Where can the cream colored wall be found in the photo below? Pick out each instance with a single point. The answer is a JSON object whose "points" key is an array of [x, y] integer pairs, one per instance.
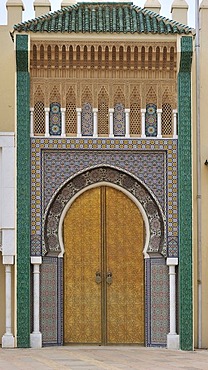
{"points": [[7, 125], [8, 66], [204, 156], [7, 217], [2, 301], [204, 180], [7, 78]]}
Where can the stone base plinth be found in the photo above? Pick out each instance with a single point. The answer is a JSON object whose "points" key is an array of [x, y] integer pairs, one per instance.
{"points": [[173, 341], [36, 340], [7, 341]]}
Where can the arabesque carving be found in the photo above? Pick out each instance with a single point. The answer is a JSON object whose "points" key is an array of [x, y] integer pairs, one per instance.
{"points": [[103, 59]]}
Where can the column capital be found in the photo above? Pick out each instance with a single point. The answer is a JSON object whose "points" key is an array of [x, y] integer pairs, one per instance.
{"points": [[63, 110], [31, 109], [95, 110], [47, 109], [175, 111], [172, 261], [143, 110], [127, 110], [78, 110], [159, 110], [36, 260], [111, 110]]}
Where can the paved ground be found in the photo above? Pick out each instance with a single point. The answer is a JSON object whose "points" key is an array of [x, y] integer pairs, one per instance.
{"points": [[99, 358]]}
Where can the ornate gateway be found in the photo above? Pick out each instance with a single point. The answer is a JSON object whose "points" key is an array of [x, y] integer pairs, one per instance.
{"points": [[101, 159]]}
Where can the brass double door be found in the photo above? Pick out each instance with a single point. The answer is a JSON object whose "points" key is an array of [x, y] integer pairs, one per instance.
{"points": [[103, 269]]}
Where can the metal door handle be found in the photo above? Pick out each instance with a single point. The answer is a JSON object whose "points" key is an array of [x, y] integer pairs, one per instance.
{"points": [[98, 278], [109, 278]]}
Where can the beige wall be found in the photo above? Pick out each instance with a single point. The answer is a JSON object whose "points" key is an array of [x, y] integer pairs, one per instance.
{"points": [[204, 156], [7, 77], [204, 180]]}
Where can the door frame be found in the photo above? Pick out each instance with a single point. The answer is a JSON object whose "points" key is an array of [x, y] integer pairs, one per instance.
{"points": [[155, 247], [104, 287]]}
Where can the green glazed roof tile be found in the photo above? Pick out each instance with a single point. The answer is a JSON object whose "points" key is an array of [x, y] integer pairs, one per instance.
{"points": [[154, 25], [93, 21], [100, 19], [128, 19], [107, 19], [134, 22], [103, 17]]}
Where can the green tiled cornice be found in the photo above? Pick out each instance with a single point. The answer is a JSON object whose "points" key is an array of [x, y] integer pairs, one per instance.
{"points": [[103, 17], [185, 196], [23, 193]]}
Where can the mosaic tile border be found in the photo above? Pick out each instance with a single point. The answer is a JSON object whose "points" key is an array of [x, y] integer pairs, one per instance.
{"points": [[51, 301], [23, 193], [60, 333], [59, 166], [147, 302], [157, 222], [39, 146], [157, 302], [49, 280], [185, 195]]}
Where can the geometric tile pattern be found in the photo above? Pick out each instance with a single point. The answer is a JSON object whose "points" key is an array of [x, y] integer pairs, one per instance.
{"points": [[119, 120], [152, 164], [159, 301], [185, 195], [87, 120], [55, 161], [59, 166], [23, 193], [157, 242], [151, 120], [48, 303], [60, 313], [55, 119]]}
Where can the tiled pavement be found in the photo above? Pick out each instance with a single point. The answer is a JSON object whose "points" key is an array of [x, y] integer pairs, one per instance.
{"points": [[101, 358]]}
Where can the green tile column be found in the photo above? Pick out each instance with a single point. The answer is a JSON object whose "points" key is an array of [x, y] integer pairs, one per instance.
{"points": [[185, 196], [23, 192]]}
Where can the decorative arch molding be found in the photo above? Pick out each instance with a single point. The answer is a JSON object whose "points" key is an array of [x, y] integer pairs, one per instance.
{"points": [[120, 179], [124, 191]]}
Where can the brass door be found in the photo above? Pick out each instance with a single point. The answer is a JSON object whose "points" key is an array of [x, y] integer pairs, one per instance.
{"points": [[103, 269]]}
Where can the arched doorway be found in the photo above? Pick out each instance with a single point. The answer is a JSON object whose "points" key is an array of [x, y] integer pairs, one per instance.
{"points": [[103, 269]]}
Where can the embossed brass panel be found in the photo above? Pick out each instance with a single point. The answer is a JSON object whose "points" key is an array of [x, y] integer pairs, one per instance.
{"points": [[82, 259], [103, 269], [125, 296]]}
